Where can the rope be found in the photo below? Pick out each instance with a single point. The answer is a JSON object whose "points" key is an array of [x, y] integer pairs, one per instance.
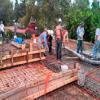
{"points": [[47, 82]]}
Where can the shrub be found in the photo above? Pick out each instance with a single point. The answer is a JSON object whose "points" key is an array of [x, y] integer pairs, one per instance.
{"points": [[9, 34], [20, 35], [28, 36]]}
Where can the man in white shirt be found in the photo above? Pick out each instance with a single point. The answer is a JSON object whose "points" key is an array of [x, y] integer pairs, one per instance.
{"points": [[80, 33], [2, 30], [96, 46]]}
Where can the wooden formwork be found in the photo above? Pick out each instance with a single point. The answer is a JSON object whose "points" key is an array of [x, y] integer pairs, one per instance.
{"points": [[16, 44], [32, 81], [21, 56]]}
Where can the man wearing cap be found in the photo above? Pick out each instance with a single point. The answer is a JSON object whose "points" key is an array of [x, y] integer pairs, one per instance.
{"points": [[80, 33]]}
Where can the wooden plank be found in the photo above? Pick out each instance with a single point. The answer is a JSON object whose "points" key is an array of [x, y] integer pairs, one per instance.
{"points": [[37, 59], [32, 78], [74, 58], [49, 89], [20, 58], [16, 44], [22, 54], [21, 62]]}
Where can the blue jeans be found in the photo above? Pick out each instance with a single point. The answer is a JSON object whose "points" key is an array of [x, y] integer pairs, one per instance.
{"points": [[96, 48], [79, 46], [58, 49]]}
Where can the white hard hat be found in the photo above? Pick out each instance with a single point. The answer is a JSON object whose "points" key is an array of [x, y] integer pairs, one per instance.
{"points": [[59, 20]]}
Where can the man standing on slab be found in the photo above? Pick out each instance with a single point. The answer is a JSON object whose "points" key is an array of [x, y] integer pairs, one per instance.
{"points": [[59, 38], [80, 33], [2, 31], [96, 46]]}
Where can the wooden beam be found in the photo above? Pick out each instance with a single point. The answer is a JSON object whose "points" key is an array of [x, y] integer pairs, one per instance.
{"points": [[16, 44], [51, 88], [20, 58]]}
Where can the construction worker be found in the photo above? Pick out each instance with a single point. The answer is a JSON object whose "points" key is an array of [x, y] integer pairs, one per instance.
{"points": [[96, 46], [59, 38], [49, 39], [2, 32], [15, 27], [80, 33], [42, 40], [65, 35]]}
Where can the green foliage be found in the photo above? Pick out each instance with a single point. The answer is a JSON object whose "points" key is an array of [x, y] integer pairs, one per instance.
{"points": [[19, 10], [6, 11], [9, 34], [79, 13], [46, 13], [20, 35], [95, 4], [28, 36]]}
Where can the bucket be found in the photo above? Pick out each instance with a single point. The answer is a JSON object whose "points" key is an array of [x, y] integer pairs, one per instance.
{"points": [[64, 68]]}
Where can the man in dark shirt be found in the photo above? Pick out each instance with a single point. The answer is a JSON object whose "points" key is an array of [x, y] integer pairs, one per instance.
{"points": [[49, 39]]}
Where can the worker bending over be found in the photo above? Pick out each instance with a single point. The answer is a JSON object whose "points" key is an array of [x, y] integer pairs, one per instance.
{"points": [[42, 40]]}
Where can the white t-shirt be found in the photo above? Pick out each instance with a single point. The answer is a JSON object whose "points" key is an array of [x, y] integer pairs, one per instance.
{"points": [[2, 27], [97, 33], [80, 33]]}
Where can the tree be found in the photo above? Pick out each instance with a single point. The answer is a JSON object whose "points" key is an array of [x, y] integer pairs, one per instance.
{"points": [[82, 3], [6, 11], [16, 10], [46, 12], [95, 4], [22, 8]]}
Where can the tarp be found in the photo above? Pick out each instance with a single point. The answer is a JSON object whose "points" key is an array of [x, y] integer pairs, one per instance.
{"points": [[18, 30]]}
